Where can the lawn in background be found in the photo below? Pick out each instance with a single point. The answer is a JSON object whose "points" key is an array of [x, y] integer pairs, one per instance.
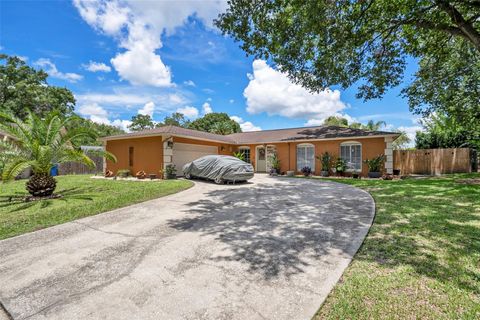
{"points": [[421, 258], [82, 197]]}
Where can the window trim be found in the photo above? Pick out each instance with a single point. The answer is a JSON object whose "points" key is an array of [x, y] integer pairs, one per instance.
{"points": [[350, 144], [249, 152], [304, 145]]}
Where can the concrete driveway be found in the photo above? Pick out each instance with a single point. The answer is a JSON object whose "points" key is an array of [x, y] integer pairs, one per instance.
{"points": [[270, 249]]}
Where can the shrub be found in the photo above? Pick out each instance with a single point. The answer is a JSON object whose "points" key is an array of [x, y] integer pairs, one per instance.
{"points": [[340, 165], [326, 160], [171, 171], [275, 163], [375, 164], [123, 173], [307, 171], [239, 155]]}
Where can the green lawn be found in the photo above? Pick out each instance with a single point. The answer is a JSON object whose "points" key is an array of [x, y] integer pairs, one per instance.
{"points": [[421, 258], [83, 196]]}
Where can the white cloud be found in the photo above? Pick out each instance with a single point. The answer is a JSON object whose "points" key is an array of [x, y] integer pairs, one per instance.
{"points": [[92, 109], [246, 126], [189, 83], [138, 26], [272, 92], [134, 98], [411, 132], [189, 112], [98, 114], [122, 124], [147, 109], [52, 71], [231, 101], [93, 66], [207, 108], [141, 66]]}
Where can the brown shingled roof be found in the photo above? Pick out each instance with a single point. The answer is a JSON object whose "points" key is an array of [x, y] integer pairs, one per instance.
{"points": [[174, 131], [264, 136], [304, 133]]}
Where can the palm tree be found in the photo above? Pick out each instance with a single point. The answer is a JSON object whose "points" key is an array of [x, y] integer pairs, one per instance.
{"points": [[222, 128], [374, 126], [39, 144]]}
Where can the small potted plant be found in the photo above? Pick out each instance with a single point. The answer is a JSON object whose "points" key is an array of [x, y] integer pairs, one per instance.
{"points": [[170, 172], [340, 166], [326, 160], [275, 165], [307, 171], [375, 166], [123, 173]]}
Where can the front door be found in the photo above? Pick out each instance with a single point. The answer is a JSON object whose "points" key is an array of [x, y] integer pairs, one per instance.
{"points": [[261, 159]]}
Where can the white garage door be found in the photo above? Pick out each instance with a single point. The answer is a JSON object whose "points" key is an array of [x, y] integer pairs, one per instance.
{"points": [[185, 152]]}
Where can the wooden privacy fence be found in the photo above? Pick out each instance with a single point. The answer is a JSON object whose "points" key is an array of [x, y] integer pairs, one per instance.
{"points": [[78, 168], [434, 161]]}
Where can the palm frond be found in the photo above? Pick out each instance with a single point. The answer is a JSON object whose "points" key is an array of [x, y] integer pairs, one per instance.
{"points": [[103, 153], [14, 167], [76, 156]]}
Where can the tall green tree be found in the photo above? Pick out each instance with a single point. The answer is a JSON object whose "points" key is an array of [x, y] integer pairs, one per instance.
{"points": [[336, 121], [141, 122], [216, 122], [39, 144], [24, 89], [442, 131], [320, 43], [175, 119]]}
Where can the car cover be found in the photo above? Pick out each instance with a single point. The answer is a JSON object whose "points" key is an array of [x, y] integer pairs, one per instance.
{"points": [[219, 167]]}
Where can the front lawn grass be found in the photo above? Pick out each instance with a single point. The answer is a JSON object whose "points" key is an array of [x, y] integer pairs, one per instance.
{"points": [[82, 197], [421, 258]]}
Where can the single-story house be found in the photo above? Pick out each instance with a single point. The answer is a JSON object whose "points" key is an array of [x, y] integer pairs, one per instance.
{"points": [[152, 150]]}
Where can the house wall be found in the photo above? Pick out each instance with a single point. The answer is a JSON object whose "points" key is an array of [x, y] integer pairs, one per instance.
{"points": [[287, 151], [147, 154]]}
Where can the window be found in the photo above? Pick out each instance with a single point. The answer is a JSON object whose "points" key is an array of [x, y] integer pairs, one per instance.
{"points": [[246, 153], [305, 156], [351, 152], [130, 156]]}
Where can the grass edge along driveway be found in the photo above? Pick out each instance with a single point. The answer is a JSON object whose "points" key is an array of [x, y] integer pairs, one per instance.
{"points": [[421, 258], [82, 197]]}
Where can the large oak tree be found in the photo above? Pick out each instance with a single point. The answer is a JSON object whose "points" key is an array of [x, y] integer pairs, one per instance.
{"points": [[322, 43]]}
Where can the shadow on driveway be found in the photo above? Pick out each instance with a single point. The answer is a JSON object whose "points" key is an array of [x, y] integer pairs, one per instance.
{"points": [[280, 228]]}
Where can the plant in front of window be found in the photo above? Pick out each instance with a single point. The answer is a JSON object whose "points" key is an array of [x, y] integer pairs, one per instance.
{"points": [[340, 166], [275, 165], [326, 160], [171, 171], [307, 171], [375, 166], [239, 155]]}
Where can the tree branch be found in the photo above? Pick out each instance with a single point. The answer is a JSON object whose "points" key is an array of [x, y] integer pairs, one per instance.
{"points": [[466, 28]]}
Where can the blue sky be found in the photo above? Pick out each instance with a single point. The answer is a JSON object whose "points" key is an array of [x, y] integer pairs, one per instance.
{"points": [[126, 57]]}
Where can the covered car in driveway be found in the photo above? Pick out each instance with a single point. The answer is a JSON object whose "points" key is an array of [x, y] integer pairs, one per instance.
{"points": [[219, 169]]}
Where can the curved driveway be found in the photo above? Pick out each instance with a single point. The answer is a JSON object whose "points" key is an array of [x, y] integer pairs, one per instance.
{"points": [[269, 249]]}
